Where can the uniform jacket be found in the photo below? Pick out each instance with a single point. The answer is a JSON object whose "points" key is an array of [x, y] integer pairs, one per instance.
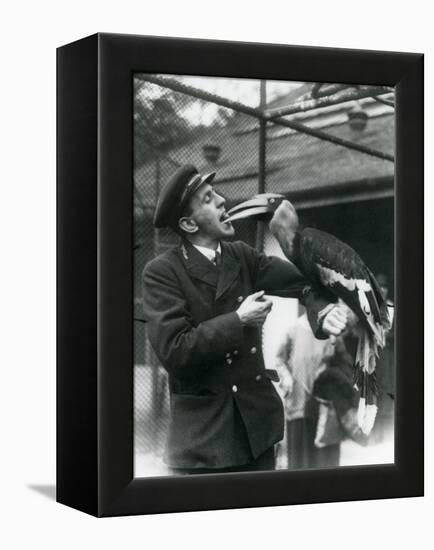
{"points": [[224, 408]]}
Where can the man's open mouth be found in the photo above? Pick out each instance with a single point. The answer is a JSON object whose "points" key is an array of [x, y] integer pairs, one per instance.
{"points": [[224, 217]]}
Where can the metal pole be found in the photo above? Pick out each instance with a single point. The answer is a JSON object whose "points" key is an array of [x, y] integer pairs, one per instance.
{"points": [[324, 89], [177, 86], [310, 104], [388, 102], [189, 90], [262, 159], [303, 129], [329, 89]]}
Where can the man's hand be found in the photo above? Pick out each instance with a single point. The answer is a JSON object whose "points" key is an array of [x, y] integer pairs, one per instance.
{"points": [[286, 382], [334, 323], [254, 310]]}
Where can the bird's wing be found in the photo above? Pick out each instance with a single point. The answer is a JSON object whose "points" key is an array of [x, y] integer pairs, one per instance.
{"points": [[324, 258], [340, 269]]}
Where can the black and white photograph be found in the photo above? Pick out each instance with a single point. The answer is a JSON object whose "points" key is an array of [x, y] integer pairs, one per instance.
{"points": [[264, 275]]}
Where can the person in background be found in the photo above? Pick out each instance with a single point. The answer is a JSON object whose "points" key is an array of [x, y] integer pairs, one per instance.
{"points": [[300, 358], [316, 384]]}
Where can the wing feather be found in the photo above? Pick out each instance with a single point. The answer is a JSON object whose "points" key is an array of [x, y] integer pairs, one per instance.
{"points": [[334, 264]]}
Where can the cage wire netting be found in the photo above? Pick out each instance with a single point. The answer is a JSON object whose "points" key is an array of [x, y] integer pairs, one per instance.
{"points": [[175, 125]]}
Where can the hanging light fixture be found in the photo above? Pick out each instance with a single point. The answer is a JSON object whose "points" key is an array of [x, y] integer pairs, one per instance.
{"points": [[357, 117], [211, 153]]}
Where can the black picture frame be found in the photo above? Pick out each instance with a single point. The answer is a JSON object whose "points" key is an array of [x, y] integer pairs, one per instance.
{"points": [[95, 274]]}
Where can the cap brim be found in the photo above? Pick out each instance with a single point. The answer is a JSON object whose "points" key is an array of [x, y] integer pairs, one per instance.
{"points": [[207, 178]]}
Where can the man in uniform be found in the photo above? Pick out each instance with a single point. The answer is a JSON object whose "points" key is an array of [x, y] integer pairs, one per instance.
{"points": [[204, 303]]}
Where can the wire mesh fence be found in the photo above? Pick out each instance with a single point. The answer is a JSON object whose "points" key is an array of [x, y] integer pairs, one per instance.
{"points": [[235, 135]]}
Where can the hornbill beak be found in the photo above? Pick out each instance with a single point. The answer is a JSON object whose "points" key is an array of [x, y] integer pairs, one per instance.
{"points": [[262, 205]]}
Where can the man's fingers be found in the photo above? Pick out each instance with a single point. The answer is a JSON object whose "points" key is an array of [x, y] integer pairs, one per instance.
{"points": [[332, 330], [255, 309], [262, 317], [340, 315], [338, 324], [256, 295], [333, 326], [332, 339], [336, 321]]}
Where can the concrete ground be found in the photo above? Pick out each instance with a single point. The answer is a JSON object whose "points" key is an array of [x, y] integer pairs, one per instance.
{"points": [[352, 454]]}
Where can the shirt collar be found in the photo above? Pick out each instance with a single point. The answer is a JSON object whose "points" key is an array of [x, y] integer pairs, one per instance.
{"points": [[209, 253]]}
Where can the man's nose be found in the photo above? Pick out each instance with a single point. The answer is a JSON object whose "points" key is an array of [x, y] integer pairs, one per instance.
{"points": [[221, 200]]}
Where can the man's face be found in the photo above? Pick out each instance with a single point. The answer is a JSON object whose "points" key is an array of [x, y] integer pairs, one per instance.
{"points": [[207, 209]]}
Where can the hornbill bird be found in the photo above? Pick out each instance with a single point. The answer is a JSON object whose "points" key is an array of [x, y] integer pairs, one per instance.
{"points": [[329, 263]]}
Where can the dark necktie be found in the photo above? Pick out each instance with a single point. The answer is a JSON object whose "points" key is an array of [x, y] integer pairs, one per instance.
{"points": [[217, 259]]}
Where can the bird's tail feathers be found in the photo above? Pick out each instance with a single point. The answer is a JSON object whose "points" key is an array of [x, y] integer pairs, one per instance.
{"points": [[368, 348], [366, 384], [366, 415]]}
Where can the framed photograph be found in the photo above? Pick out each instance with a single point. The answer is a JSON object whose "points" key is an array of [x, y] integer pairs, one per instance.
{"points": [[240, 275]]}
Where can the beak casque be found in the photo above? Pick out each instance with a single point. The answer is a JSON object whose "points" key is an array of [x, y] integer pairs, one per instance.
{"points": [[265, 203]]}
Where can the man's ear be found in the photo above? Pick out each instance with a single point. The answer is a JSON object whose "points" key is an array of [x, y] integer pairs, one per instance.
{"points": [[188, 225]]}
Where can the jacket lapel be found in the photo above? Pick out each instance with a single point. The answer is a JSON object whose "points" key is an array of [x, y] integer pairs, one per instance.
{"points": [[197, 265], [228, 272]]}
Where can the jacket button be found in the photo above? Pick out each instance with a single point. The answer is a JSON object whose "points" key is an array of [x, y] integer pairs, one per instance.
{"points": [[240, 299], [306, 291], [236, 352], [227, 355], [253, 350], [258, 378], [234, 389], [229, 361]]}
